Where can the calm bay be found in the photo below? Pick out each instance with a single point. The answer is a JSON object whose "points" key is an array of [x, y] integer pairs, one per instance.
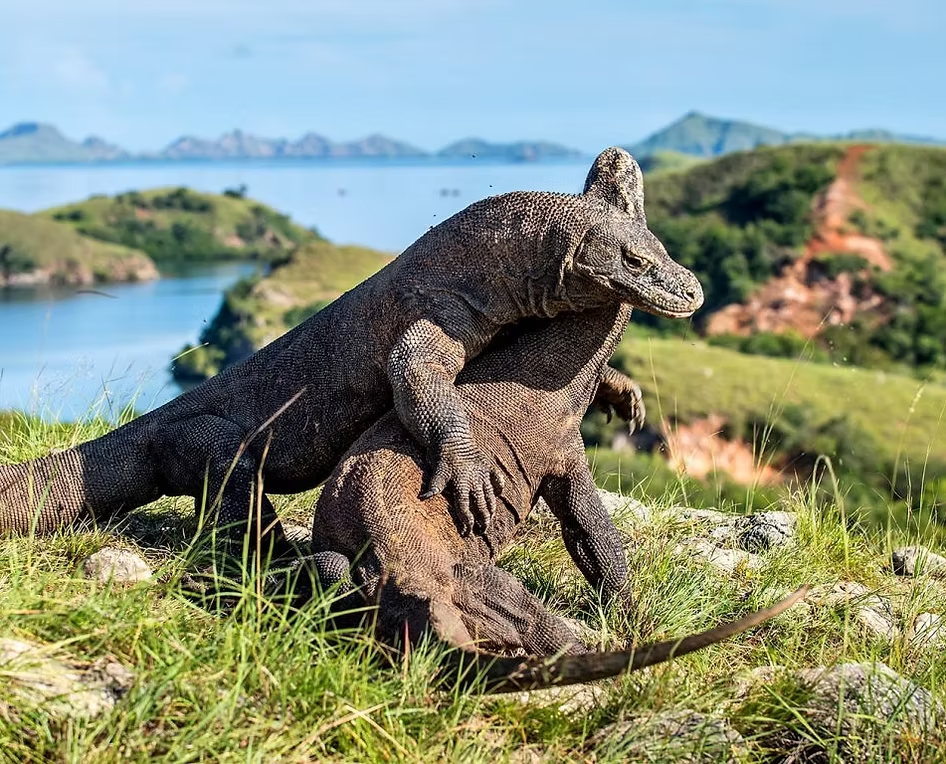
{"points": [[64, 355]]}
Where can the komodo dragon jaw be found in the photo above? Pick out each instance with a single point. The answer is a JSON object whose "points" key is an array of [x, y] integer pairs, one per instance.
{"points": [[500, 674], [620, 253]]}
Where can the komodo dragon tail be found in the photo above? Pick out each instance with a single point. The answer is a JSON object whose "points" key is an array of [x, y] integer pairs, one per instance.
{"points": [[96, 479], [536, 672]]}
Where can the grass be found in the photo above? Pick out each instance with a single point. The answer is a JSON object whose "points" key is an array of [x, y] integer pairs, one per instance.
{"points": [[903, 417], [38, 243], [264, 684]]}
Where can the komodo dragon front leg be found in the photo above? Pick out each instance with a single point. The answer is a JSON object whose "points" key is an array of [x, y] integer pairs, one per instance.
{"points": [[422, 368], [589, 533], [618, 394]]}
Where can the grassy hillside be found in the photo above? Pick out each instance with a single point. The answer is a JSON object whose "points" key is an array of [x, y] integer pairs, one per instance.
{"points": [[256, 311], [746, 220], [181, 224], [666, 161], [34, 250], [884, 434], [262, 683], [735, 221]]}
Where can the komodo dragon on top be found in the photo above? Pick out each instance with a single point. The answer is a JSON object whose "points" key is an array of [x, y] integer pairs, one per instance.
{"points": [[374, 537], [286, 414]]}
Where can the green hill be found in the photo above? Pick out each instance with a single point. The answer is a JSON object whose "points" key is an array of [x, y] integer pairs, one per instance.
{"points": [[34, 250], [181, 224], [884, 433], [666, 161], [257, 310], [704, 136], [843, 243]]}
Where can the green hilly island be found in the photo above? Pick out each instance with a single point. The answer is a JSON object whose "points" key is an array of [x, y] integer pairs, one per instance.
{"points": [[38, 251], [178, 224], [257, 310]]}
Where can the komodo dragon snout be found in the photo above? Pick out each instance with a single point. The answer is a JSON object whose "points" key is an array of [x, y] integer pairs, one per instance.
{"points": [[621, 254]]}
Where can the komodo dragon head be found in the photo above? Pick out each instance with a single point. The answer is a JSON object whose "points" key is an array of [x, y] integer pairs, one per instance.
{"points": [[620, 253]]}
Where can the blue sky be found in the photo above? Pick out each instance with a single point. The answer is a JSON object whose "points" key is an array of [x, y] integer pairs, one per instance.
{"points": [[587, 73]]}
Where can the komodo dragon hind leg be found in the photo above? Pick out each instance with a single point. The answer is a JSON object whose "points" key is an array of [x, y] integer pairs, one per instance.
{"points": [[207, 459]]}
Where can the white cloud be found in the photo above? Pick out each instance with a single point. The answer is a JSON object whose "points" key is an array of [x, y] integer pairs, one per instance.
{"points": [[172, 83], [74, 69]]}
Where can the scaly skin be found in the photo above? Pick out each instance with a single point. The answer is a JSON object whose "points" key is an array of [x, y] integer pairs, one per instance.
{"points": [[287, 413], [383, 545]]}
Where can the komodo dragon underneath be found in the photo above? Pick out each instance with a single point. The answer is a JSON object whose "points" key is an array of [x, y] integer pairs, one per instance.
{"points": [[284, 416], [524, 403]]}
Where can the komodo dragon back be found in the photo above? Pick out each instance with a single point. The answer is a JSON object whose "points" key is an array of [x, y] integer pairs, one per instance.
{"points": [[501, 674]]}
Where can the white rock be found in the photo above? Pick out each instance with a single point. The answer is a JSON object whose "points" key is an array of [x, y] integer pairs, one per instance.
{"points": [[726, 560], [929, 630], [871, 611], [116, 564], [61, 688], [915, 560]]}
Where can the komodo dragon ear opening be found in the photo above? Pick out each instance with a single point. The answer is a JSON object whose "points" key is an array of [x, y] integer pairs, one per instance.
{"points": [[617, 179]]}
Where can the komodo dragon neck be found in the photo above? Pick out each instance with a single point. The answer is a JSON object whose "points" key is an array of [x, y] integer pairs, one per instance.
{"points": [[523, 245]]}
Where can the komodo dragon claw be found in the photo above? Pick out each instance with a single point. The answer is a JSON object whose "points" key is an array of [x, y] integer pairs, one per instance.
{"points": [[503, 674]]}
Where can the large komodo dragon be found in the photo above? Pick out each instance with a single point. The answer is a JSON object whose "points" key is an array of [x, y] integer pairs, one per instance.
{"points": [[524, 403], [288, 412]]}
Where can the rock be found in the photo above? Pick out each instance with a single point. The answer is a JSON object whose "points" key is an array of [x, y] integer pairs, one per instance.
{"points": [[116, 564], [929, 630], [850, 710], [297, 534], [765, 530], [572, 699], [616, 504], [871, 611], [915, 560], [726, 560], [851, 695], [62, 688], [678, 735], [751, 533]]}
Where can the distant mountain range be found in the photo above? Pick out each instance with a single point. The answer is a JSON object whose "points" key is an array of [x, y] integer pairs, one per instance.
{"points": [[703, 136], [31, 142], [694, 134]]}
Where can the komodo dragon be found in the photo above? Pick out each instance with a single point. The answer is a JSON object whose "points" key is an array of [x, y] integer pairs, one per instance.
{"points": [[287, 413], [524, 403]]}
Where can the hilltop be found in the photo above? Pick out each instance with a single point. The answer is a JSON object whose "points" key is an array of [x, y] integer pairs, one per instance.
{"points": [[240, 145], [701, 135], [518, 151], [257, 310], [35, 142], [180, 224], [31, 142], [36, 251]]}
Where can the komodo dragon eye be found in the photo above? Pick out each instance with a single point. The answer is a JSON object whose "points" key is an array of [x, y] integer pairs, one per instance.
{"points": [[631, 260]]}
